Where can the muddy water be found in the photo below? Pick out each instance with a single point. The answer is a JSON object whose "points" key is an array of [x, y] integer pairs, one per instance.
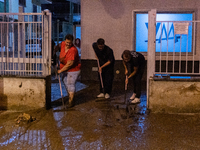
{"points": [[97, 124]]}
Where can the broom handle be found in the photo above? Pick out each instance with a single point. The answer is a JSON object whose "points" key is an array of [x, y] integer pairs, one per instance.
{"points": [[100, 73], [60, 89], [126, 83]]}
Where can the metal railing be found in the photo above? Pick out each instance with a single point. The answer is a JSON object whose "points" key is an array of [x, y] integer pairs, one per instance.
{"points": [[175, 48], [25, 44]]}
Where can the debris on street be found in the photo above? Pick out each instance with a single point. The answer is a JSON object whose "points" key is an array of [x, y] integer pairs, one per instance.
{"points": [[24, 118]]}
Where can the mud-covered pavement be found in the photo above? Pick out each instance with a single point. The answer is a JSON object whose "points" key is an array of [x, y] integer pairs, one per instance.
{"points": [[96, 124]]}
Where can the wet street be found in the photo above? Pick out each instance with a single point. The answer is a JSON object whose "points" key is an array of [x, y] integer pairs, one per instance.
{"points": [[99, 124]]}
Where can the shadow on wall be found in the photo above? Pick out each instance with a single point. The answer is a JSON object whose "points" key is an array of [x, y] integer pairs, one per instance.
{"points": [[3, 98], [3, 102], [114, 8]]}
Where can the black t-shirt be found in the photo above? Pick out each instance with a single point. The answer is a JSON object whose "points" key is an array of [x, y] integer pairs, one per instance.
{"points": [[104, 55], [137, 60]]}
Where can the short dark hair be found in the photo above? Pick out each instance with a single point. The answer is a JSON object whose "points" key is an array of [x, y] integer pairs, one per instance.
{"points": [[69, 37], [100, 41], [126, 54]]}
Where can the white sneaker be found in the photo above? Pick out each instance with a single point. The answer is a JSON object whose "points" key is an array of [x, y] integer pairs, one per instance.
{"points": [[136, 100], [100, 95], [133, 96], [107, 96]]}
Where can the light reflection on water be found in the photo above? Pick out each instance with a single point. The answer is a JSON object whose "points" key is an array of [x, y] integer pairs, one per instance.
{"points": [[141, 124], [55, 90], [73, 139], [36, 139]]}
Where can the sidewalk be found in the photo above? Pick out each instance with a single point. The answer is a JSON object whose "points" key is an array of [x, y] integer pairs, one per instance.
{"points": [[96, 124]]}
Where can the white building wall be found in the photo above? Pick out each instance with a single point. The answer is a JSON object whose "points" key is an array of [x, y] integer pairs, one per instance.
{"points": [[112, 20]]}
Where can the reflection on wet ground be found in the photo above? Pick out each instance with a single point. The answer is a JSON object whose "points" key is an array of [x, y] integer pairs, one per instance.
{"points": [[99, 124], [55, 89]]}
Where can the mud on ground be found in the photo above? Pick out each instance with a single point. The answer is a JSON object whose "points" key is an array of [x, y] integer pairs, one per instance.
{"points": [[100, 124]]}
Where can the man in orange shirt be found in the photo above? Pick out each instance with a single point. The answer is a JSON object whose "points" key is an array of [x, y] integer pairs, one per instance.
{"points": [[69, 65]]}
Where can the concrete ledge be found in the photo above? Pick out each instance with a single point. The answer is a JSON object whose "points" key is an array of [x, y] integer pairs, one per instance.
{"points": [[174, 96], [23, 94]]}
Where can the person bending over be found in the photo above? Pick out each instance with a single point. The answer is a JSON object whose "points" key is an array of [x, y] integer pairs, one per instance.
{"points": [[134, 64], [104, 55]]}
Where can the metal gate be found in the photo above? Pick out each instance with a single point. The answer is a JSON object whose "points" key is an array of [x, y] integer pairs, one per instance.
{"points": [[25, 44], [182, 59]]}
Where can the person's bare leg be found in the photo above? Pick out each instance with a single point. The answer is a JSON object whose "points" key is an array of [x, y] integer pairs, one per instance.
{"points": [[71, 98], [70, 82]]}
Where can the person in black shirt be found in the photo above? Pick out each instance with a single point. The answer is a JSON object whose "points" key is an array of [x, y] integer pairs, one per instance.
{"points": [[106, 60], [134, 64]]}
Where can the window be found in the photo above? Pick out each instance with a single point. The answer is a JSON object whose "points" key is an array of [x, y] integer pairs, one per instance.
{"points": [[22, 3], [78, 31], [166, 40]]}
